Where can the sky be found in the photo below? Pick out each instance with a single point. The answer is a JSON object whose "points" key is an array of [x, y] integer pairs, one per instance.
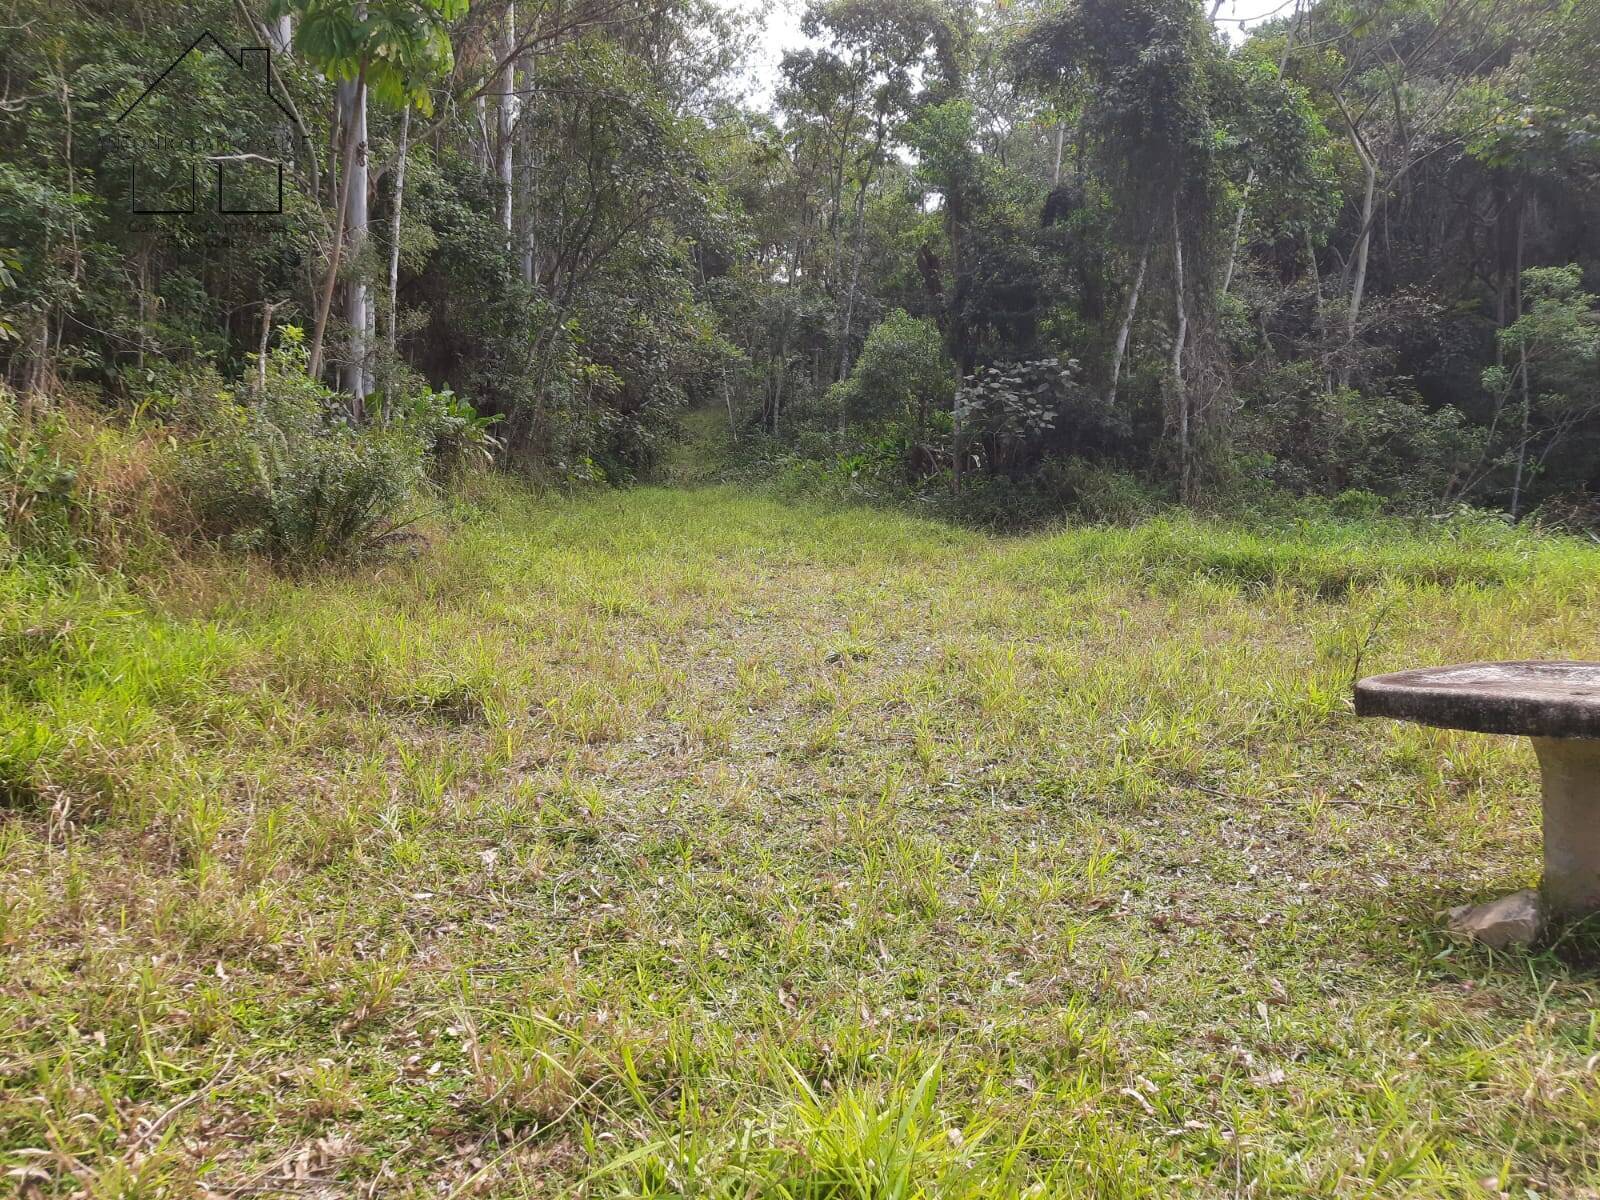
{"points": [[778, 23]]}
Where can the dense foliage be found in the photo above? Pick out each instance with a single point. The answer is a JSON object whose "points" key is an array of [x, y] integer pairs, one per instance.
{"points": [[971, 250], [1314, 258]]}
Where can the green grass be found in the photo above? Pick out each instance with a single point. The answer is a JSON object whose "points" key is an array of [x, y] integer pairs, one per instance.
{"points": [[693, 843]]}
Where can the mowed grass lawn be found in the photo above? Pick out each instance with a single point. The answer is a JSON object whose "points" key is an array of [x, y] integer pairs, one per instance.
{"points": [[690, 843]]}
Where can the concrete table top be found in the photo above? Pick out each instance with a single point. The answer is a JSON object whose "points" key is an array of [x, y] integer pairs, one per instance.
{"points": [[1557, 706], [1533, 699]]}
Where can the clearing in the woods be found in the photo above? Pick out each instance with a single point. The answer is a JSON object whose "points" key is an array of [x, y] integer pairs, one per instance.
{"points": [[681, 842]]}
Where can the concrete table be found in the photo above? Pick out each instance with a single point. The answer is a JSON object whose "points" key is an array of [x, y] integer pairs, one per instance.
{"points": [[1557, 706]]}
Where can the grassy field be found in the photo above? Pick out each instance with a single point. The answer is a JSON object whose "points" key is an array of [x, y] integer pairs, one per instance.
{"points": [[682, 842]]}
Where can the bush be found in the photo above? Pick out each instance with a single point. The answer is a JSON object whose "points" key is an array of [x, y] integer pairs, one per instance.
{"points": [[38, 501], [901, 376], [1391, 444], [281, 470], [1061, 487], [1098, 492], [449, 430], [1009, 409], [75, 489]]}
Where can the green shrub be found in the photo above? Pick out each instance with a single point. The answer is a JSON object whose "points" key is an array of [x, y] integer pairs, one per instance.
{"points": [[901, 376], [450, 431], [279, 469], [1098, 492], [1000, 503], [77, 489], [38, 501], [1308, 441]]}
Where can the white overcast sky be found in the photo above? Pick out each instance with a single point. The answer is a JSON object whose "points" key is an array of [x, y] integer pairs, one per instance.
{"points": [[778, 26]]}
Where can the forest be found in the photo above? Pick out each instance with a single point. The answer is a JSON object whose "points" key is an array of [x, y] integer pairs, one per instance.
{"points": [[1015, 260], [600, 599]]}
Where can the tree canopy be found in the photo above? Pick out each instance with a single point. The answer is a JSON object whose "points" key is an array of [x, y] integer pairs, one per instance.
{"points": [[1335, 230]]}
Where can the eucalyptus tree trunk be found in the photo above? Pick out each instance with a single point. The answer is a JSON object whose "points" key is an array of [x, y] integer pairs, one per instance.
{"points": [[280, 33], [1358, 264], [341, 207], [506, 119], [1120, 348], [1180, 335], [860, 244], [394, 228], [530, 181], [480, 146], [353, 117], [1358, 284]]}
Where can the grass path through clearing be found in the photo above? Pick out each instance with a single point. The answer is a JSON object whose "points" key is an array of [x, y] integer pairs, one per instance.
{"points": [[680, 842]]}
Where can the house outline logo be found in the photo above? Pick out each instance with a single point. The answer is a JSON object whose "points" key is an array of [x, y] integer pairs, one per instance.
{"points": [[243, 61]]}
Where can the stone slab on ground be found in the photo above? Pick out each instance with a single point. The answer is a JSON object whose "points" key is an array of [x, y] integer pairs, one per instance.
{"points": [[1514, 920]]}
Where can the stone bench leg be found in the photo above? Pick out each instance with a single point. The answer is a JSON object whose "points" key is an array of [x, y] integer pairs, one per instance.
{"points": [[1571, 771]]}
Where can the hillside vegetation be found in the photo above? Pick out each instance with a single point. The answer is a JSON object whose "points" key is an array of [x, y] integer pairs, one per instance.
{"points": [[1016, 259]]}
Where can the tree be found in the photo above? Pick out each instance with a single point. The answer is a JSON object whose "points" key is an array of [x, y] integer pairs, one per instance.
{"points": [[1556, 347], [1146, 72], [885, 45], [901, 376], [390, 49]]}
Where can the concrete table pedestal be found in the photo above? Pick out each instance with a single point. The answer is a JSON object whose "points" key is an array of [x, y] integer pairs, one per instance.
{"points": [[1571, 771], [1557, 705]]}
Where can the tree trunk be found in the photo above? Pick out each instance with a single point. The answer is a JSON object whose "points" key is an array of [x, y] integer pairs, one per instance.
{"points": [[353, 114], [335, 252], [1061, 133], [1250, 178], [1121, 346], [1238, 231], [1522, 442], [530, 183], [506, 114], [261, 350], [393, 330], [480, 147], [280, 33], [1358, 283], [267, 309], [1522, 372], [777, 386], [957, 449], [1180, 393], [144, 301], [855, 265], [955, 336], [39, 372]]}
